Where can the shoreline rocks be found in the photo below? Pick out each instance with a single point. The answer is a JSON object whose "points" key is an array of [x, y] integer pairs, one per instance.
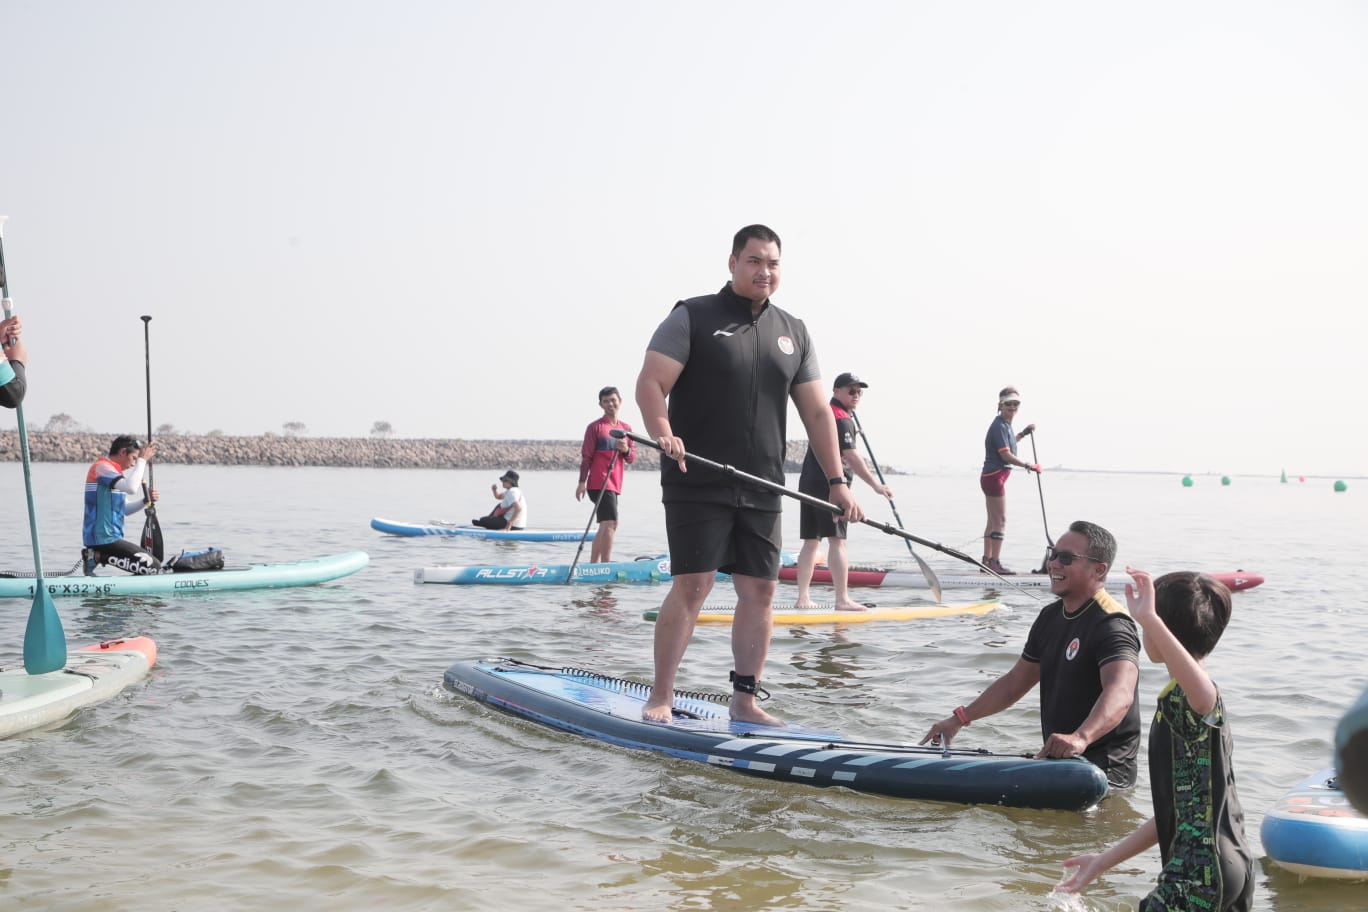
{"points": [[340, 452]]}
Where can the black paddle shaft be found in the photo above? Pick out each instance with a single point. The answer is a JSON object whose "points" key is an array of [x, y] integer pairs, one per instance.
{"points": [[147, 372], [152, 533], [805, 498], [1045, 523], [592, 513]]}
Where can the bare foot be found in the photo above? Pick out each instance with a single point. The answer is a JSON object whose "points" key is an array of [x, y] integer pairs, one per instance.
{"points": [[803, 606], [851, 606], [748, 711], [657, 712]]}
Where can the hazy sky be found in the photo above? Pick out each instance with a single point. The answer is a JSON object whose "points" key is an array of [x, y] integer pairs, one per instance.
{"points": [[464, 218]]}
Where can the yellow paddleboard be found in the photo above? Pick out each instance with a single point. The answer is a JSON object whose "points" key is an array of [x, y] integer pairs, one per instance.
{"points": [[826, 614]]}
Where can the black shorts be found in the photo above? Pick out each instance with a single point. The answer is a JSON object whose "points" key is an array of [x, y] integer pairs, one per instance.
{"points": [[706, 536], [816, 523], [607, 505]]}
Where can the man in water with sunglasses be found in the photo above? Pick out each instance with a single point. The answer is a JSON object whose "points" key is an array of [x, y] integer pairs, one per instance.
{"points": [[1084, 652]]}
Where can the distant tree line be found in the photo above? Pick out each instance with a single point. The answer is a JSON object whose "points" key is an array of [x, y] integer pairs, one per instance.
{"points": [[62, 423]]}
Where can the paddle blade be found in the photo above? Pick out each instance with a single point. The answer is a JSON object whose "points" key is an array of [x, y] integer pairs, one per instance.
{"points": [[932, 581], [152, 534], [44, 641]]}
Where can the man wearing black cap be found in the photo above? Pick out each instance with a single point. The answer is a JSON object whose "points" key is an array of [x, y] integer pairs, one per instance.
{"points": [[814, 524], [511, 512], [114, 489]]}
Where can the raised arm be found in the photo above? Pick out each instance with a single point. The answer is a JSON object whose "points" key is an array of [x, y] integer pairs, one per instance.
{"points": [[1190, 673], [131, 480]]}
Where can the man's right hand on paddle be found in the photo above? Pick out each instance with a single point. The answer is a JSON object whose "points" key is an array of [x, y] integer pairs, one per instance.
{"points": [[673, 447], [841, 496]]}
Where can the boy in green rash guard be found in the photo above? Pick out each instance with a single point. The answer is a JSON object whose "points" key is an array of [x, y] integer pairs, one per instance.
{"points": [[1198, 823]]}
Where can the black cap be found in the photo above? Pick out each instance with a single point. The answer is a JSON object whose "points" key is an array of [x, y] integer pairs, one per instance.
{"points": [[511, 477], [849, 379]]}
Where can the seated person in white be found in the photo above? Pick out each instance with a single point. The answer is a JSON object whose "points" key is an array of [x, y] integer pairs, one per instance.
{"points": [[511, 512]]}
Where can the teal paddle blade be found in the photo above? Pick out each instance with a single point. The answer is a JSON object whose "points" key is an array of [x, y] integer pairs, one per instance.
{"points": [[44, 641]]}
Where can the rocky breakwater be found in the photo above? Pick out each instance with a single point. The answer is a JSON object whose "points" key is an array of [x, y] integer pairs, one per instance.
{"points": [[353, 452]]}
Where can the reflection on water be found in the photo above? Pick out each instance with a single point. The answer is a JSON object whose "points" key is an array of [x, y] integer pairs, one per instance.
{"points": [[109, 619], [832, 664], [601, 600], [307, 731]]}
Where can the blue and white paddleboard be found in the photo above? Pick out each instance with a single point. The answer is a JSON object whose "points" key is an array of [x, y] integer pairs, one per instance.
{"points": [[641, 570], [257, 576], [1313, 831], [649, 570], [608, 709], [442, 527]]}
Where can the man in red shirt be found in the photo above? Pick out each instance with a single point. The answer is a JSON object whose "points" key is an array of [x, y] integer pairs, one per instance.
{"points": [[600, 476]]}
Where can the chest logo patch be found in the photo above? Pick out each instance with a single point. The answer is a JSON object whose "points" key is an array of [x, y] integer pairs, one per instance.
{"points": [[785, 345], [1072, 651]]}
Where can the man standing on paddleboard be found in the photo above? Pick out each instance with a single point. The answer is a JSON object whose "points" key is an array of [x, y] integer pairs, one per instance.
{"points": [[717, 378], [602, 459], [815, 524], [1000, 445], [1084, 652]]}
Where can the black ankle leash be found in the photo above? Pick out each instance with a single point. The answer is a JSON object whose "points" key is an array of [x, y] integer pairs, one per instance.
{"points": [[747, 684]]}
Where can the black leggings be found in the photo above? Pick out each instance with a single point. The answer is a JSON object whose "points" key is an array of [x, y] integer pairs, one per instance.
{"points": [[126, 556]]}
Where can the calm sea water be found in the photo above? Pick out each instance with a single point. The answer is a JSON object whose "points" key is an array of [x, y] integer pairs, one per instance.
{"points": [[295, 749]]}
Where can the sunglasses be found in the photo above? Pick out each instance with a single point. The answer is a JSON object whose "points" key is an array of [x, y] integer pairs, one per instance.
{"points": [[1011, 404], [855, 391], [1066, 558]]}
